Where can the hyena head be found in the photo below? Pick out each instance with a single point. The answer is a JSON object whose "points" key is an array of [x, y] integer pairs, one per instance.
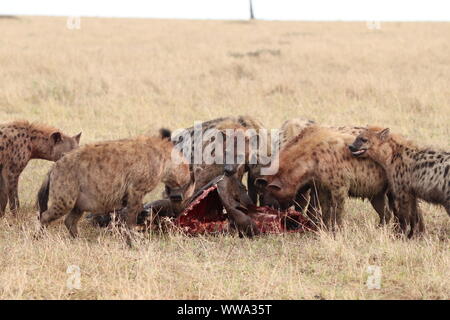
{"points": [[275, 187], [295, 169], [178, 179], [179, 183], [58, 144], [246, 150], [280, 186], [255, 171], [368, 142], [234, 150]]}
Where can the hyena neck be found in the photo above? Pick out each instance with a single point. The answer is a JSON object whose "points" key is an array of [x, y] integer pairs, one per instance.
{"points": [[40, 146], [171, 161], [303, 173], [401, 158], [385, 154], [167, 152]]}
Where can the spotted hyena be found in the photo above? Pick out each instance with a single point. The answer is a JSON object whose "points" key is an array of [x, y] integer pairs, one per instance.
{"points": [[230, 128], [21, 141], [320, 157], [105, 177], [413, 172], [305, 199]]}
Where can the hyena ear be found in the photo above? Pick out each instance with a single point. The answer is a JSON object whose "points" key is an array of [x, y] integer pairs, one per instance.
{"points": [[383, 134], [275, 184], [56, 137], [77, 137]]}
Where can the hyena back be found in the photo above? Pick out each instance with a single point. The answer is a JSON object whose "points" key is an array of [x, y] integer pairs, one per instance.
{"points": [[320, 157], [106, 176]]}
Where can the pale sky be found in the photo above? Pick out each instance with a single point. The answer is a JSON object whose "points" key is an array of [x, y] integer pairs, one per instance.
{"points": [[363, 10]]}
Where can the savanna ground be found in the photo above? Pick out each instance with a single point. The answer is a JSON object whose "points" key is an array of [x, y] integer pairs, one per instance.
{"points": [[116, 78]]}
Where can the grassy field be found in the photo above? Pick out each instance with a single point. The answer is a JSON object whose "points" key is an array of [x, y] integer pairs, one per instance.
{"points": [[116, 78]]}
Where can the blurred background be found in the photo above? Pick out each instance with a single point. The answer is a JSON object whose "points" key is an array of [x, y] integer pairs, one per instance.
{"points": [[347, 10]]}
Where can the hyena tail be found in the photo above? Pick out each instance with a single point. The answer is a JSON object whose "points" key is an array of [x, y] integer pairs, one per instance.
{"points": [[43, 194]]}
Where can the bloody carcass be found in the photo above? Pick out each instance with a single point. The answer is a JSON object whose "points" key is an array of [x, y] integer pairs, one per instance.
{"points": [[221, 206]]}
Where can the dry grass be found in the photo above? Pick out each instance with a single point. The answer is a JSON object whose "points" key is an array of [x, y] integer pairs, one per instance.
{"points": [[116, 77]]}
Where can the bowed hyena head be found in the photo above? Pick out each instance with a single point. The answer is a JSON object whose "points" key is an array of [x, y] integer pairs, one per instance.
{"points": [[283, 185], [248, 150], [237, 150], [178, 181], [178, 178], [368, 141], [59, 144]]}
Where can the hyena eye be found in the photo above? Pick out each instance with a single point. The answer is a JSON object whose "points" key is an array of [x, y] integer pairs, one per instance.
{"points": [[363, 140]]}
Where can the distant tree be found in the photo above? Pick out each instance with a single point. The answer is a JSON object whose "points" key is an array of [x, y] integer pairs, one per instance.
{"points": [[252, 16]]}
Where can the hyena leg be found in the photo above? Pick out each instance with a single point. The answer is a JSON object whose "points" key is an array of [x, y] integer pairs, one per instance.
{"points": [[380, 204], [421, 221], [134, 207], [3, 201], [324, 209], [53, 213], [402, 208], [71, 221], [13, 193], [252, 192], [3, 193], [337, 207], [416, 219]]}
